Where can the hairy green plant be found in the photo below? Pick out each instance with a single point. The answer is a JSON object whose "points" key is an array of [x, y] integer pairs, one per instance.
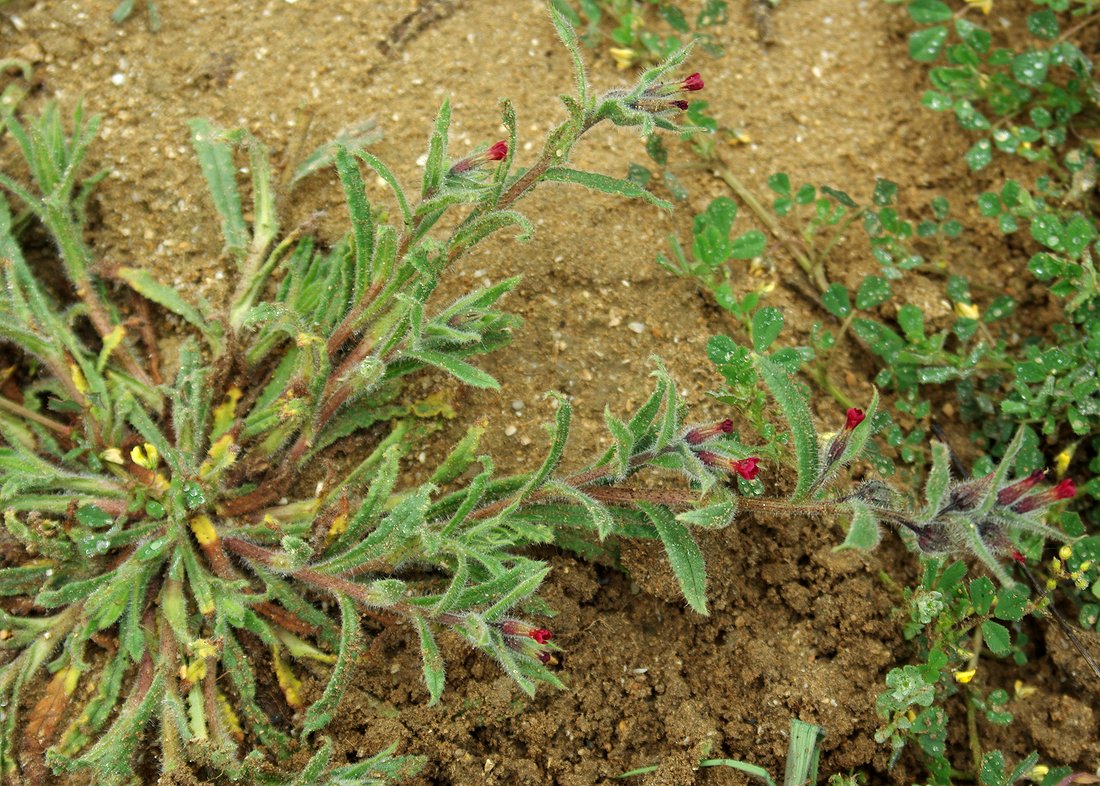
{"points": [[162, 544]]}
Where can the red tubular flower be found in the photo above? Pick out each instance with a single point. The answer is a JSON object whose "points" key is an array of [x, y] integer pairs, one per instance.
{"points": [[1065, 489], [495, 153], [663, 97], [701, 434], [854, 418], [1013, 492], [521, 629], [1019, 557], [692, 83], [746, 468]]}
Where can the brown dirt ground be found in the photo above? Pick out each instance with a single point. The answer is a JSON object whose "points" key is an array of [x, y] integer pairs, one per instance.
{"points": [[795, 629]]}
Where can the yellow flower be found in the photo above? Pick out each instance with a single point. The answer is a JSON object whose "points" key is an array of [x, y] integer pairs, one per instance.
{"points": [[967, 310], [963, 677], [145, 456], [1023, 691], [113, 455], [624, 58], [1038, 772], [1061, 461], [1065, 552], [985, 6]]}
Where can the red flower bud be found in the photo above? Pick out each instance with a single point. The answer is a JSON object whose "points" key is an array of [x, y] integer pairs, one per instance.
{"points": [[854, 418], [692, 83], [495, 153], [701, 434], [519, 629], [680, 104], [1013, 492], [1065, 489], [1019, 557], [746, 468]]}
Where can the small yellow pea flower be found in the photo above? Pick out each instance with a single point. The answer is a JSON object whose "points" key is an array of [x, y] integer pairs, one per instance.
{"points": [[963, 677], [624, 58], [1061, 461], [145, 456], [1065, 552], [985, 6], [967, 310], [1022, 691]]}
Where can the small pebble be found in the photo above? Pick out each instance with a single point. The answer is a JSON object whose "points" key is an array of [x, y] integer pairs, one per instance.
{"points": [[510, 431], [637, 327], [517, 405], [118, 78]]}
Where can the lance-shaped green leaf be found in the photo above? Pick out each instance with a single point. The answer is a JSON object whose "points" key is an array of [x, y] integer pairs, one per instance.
{"points": [[435, 165], [320, 712], [146, 285], [599, 515], [527, 579], [624, 442], [795, 410], [459, 459], [353, 138], [863, 531], [481, 227], [568, 37], [604, 183], [715, 516], [683, 555], [939, 479], [1008, 460], [215, 156], [434, 672], [362, 223], [459, 369], [386, 174]]}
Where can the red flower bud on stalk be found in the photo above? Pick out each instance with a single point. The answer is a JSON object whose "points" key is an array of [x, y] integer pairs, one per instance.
{"points": [[664, 97], [521, 629], [746, 468], [497, 152], [701, 434], [1019, 557], [1066, 489], [839, 443], [1013, 492], [692, 83]]}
